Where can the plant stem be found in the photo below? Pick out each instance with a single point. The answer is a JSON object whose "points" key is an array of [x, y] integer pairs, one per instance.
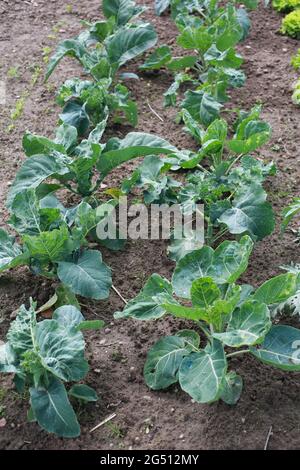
{"points": [[204, 329], [237, 353]]}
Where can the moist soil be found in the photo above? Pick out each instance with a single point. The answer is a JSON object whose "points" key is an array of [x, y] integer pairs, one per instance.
{"points": [[146, 419]]}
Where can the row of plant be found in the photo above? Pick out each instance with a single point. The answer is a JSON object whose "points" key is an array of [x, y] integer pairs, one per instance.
{"points": [[55, 241], [224, 175], [234, 318]]}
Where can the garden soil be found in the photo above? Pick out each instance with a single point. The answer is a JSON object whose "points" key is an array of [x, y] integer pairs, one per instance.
{"points": [[29, 32]]}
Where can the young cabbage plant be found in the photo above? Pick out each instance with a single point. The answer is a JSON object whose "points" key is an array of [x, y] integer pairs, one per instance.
{"points": [[235, 319], [102, 49], [288, 214], [79, 168], [43, 356], [229, 184], [200, 8], [215, 66], [53, 243]]}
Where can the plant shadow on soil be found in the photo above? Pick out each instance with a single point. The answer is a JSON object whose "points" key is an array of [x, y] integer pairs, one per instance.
{"points": [[168, 419]]}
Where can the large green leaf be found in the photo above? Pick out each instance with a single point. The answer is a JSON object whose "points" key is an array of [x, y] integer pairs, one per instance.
{"points": [[158, 58], [33, 172], [204, 292], [20, 333], [128, 43], [278, 289], [202, 373], [147, 305], [53, 410], [163, 362], [70, 47], [10, 252], [83, 392], [247, 325], [39, 145], [250, 136], [161, 6], [86, 275], [120, 10], [280, 348], [201, 106], [61, 350], [49, 246], [135, 144], [225, 264], [75, 115], [25, 210], [68, 316], [250, 213]]}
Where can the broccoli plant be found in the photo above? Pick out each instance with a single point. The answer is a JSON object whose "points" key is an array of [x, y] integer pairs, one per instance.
{"points": [[228, 184], [43, 355], [235, 319], [80, 168], [214, 64], [53, 243], [102, 49]]}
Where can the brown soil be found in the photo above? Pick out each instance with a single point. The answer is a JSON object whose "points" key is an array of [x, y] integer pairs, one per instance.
{"points": [[145, 419]]}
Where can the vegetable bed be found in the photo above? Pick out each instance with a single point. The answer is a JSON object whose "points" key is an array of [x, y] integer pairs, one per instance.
{"points": [[160, 419]]}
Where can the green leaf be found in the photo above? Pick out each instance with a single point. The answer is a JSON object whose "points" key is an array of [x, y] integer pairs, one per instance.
{"points": [[204, 292], [250, 213], [83, 392], [7, 359], [160, 57], [19, 334], [61, 349], [70, 47], [247, 325], [180, 311], [66, 297], [147, 305], [163, 362], [223, 265], [121, 10], [87, 276], [161, 6], [278, 289], [68, 316], [135, 144], [10, 252], [36, 144], [49, 246], [179, 63], [126, 44], [249, 137], [26, 213], [201, 106], [195, 38], [232, 388], [280, 348], [53, 410], [33, 172], [201, 374], [289, 212], [191, 338], [66, 135], [75, 115]]}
